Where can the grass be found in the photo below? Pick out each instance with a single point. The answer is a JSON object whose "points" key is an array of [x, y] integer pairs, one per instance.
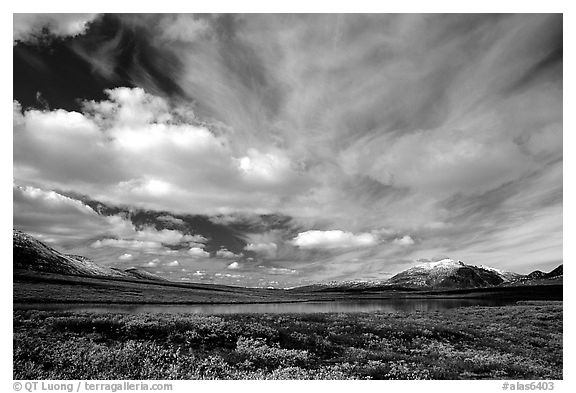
{"points": [[523, 341]]}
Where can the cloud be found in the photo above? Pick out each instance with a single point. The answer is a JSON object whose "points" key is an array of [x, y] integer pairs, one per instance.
{"points": [[108, 146], [125, 235], [31, 27], [171, 220], [233, 266], [198, 252], [70, 225], [172, 264], [125, 257], [280, 270], [444, 127], [167, 236], [333, 239], [223, 253], [259, 167], [183, 27], [398, 132], [267, 249], [468, 163], [404, 241], [41, 212], [123, 243], [269, 237]]}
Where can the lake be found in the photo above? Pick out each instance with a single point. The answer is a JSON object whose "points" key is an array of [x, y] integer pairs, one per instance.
{"points": [[341, 306]]}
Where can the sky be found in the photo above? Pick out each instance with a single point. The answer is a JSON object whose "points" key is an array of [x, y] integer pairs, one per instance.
{"points": [[282, 150]]}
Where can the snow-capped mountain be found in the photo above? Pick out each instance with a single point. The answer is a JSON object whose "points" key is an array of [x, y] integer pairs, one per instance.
{"points": [[507, 276], [446, 273], [445, 263]]}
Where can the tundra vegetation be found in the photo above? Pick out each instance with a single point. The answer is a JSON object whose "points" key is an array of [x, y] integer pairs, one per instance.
{"points": [[522, 341]]}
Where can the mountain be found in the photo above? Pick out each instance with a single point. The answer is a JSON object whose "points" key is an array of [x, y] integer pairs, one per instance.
{"points": [[348, 285], [538, 277], [33, 255], [447, 274], [536, 274], [444, 274], [505, 275], [556, 273]]}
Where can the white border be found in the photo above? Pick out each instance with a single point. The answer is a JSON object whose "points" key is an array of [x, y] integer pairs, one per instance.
{"points": [[355, 6]]}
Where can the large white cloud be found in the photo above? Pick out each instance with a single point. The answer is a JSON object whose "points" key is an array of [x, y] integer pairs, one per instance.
{"points": [[137, 149], [333, 239], [198, 252]]}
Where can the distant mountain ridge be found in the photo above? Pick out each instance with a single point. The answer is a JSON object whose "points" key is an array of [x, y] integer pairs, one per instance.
{"points": [[445, 274], [538, 277], [537, 274], [31, 254]]}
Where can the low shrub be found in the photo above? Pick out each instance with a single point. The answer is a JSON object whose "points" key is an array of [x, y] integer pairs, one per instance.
{"points": [[515, 342]]}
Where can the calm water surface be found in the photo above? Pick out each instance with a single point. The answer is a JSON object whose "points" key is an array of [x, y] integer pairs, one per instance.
{"points": [[385, 305]]}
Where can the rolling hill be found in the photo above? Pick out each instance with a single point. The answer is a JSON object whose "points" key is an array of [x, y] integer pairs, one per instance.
{"points": [[30, 254]]}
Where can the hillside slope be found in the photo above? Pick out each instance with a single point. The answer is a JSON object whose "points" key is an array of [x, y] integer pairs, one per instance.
{"points": [[32, 254]]}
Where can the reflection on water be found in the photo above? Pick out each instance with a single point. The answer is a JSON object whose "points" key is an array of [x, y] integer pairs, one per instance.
{"points": [[384, 305]]}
